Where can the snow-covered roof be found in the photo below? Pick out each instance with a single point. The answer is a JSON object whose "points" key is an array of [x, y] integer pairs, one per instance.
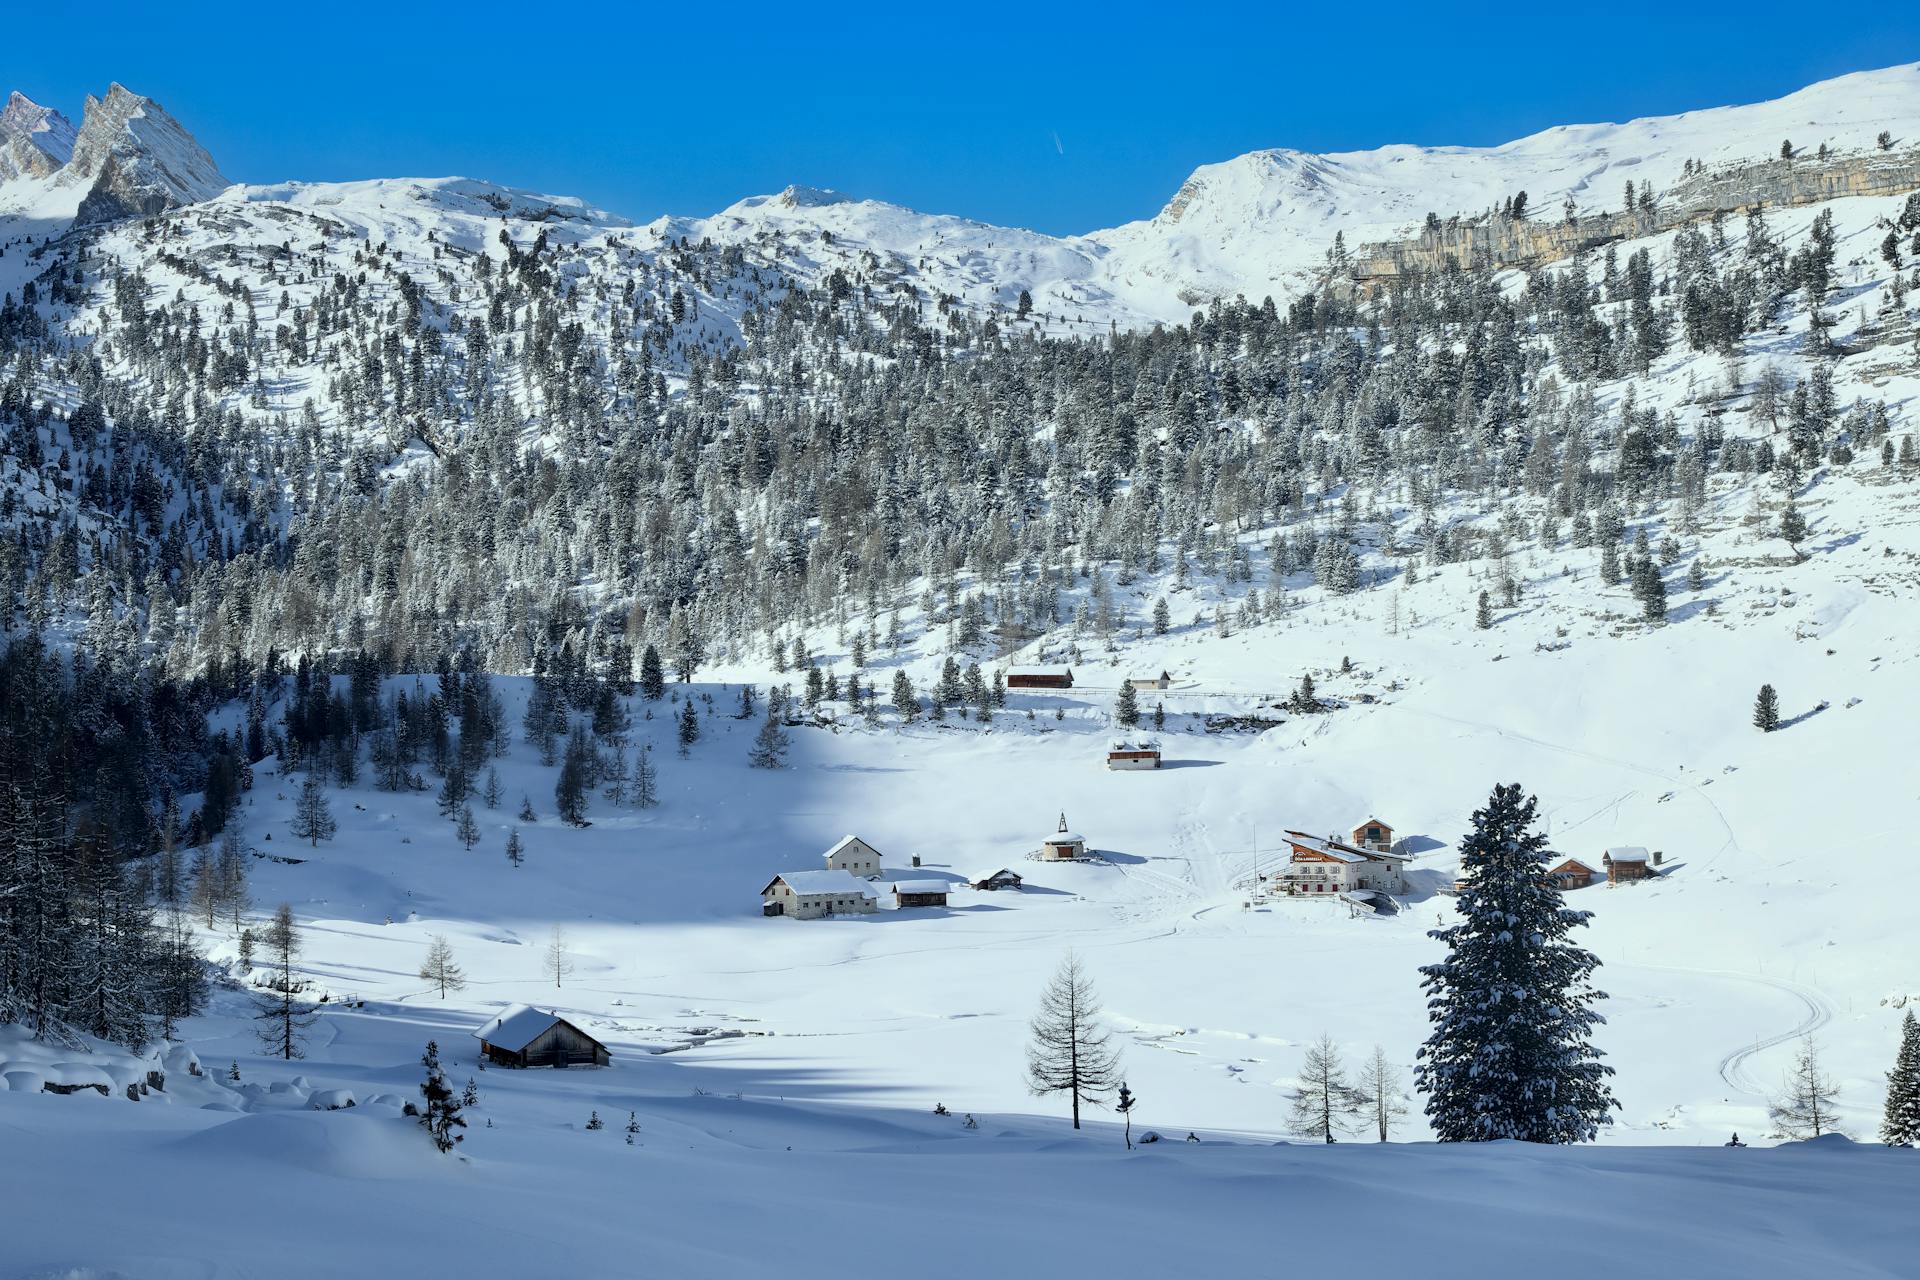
{"points": [[1134, 744], [819, 884], [844, 842], [517, 1026], [1064, 837], [1628, 853], [1041, 671], [1340, 852], [978, 876], [921, 886]]}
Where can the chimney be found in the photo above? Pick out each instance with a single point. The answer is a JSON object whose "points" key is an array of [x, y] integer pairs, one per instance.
{"points": [[1658, 857]]}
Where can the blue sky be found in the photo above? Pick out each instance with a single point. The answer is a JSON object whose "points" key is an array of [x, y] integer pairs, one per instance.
{"points": [[1059, 117]]}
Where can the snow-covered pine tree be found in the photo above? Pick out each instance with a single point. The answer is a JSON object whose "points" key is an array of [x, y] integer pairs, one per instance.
{"points": [[516, 851], [571, 783], [440, 1113], [1766, 710], [653, 679], [1304, 700], [1126, 707], [1512, 1003], [905, 700], [1900, 1121]]}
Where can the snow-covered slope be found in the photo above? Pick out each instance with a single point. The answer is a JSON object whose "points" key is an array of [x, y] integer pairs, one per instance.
{"points": [[810, 233]]}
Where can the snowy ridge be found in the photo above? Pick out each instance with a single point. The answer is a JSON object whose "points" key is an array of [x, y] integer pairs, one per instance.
{"points": [[1262, 222], [456, 197], [1257, 225]]}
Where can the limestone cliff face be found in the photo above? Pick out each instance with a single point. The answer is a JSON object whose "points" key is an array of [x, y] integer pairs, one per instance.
{"points": [[34, 140], [1497, 241], [135, 159]]}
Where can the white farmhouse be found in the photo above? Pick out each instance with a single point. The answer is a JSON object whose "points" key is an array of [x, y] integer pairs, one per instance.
{"points": [[855, 856], [809, 895], [1333, 866]]}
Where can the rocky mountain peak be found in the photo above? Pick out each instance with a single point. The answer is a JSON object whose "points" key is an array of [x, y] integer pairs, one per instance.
{"points": [[136, 159], [34, 140]]}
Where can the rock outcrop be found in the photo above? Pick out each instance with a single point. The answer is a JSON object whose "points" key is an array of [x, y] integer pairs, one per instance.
{"points": [[1498, 241]]}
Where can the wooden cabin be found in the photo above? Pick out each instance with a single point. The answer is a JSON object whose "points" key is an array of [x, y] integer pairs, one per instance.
{"points": [[810, 895], [1049, 679], [1373, 834], [1001, 878], [1133, 753], [1151, 684], [524, 1036], [920, 893], [1572, 874], [1062, 845], [854, 856], [1628, 863]]}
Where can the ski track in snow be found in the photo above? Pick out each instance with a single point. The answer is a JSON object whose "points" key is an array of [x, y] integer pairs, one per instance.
{"points": [[1734, 1067]]}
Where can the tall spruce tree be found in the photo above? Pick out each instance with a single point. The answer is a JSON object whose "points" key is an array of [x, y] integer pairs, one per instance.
{"points": [[1900, 1121], [653, 678], [1512, 1004], [1766, 710]]}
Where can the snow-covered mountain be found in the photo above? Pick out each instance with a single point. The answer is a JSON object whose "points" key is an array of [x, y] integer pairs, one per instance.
{"points": [[296, 477], [1256, 225]]}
